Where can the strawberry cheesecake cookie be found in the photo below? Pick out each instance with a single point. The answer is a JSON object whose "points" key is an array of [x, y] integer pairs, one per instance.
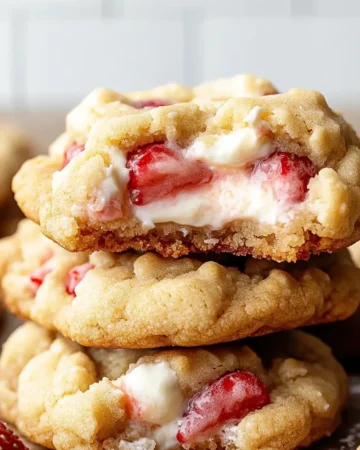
{"points": [[14, 150], [280, 392], [142, 301], [275, 176]]}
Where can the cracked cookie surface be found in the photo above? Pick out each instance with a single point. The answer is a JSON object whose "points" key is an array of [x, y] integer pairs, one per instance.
{"points": [[63, 396], [138, 301]]}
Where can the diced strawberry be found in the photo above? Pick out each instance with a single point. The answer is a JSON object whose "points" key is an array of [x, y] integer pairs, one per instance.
{"points": [[151, 103], [227, 400], [71, 152], [38, 275], [9, 440], [75, 275], [287, 174], [157, 172]]}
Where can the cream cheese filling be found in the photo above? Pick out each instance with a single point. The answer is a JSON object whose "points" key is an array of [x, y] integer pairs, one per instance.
{"points": [[159, 400], [237, 148], [156, 391], [223, 201]]}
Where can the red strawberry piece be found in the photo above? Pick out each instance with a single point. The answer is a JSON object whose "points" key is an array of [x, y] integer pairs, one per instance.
{"points": [[151, 103], [75, 275], [287, 174], [9, 440], [71, 152], [225, 401], [157, 172], [38, 275]]}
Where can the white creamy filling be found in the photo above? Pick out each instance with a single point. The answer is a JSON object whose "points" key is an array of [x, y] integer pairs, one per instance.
{"points": [[58, 178], [116, 177], [238, 148], [156, 391], [108, 195], [227, 199], [165, 436], [159, 400]]}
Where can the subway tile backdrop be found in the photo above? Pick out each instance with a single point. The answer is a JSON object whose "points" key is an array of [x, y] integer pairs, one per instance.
{"points": [[52, 52]]}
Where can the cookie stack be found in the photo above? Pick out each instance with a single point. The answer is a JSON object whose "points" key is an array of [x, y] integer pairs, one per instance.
{"points": [[179, 221]]}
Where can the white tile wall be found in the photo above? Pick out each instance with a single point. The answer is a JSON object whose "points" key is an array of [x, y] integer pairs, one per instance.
{"points": [[52, 52], [66, 59], [53, 9], [311, 52], [337, 8], [175, 8], [5, 63]]}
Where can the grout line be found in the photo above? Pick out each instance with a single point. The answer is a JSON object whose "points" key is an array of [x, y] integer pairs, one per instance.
{"points": [[18, 69], [193, 46]]}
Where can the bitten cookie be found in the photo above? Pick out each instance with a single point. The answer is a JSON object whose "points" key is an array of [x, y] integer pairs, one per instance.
{"points": [[275, 176], [141, 301], [279, 392]]}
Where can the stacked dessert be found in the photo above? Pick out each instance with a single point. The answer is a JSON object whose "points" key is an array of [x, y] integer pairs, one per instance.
{"points": [[155, 206]]}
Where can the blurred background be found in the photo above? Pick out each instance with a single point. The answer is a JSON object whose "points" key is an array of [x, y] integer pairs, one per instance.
{"points": [[53, 52]]}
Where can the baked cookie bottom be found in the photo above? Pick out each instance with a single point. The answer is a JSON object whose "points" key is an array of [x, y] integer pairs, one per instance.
{"points": [[63, 396], [142, 301], [170, 240]]}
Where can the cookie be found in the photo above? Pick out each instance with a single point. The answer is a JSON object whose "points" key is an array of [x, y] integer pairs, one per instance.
{"points": [[275, 176], [14, 150], [278, 392], [142, 301]]}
